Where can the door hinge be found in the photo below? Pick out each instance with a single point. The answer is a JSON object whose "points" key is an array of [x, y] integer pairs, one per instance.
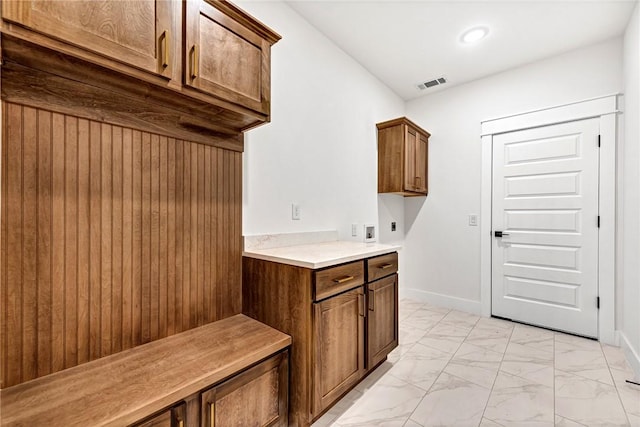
{"points": [[598, 221], [598, 141], [598, 303]]}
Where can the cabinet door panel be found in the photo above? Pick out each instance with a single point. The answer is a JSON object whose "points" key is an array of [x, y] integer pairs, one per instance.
{"points": [[174, 417], [136, 32], [339, 346], [254, 398], [382, 319], [421, 162], [226, 59], [410, 145]]}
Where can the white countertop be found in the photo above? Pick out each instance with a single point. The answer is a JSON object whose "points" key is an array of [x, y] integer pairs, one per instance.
{"points": [[319, 255]]}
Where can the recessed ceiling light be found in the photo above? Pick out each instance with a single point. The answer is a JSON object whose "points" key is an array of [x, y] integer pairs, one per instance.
{"points": [[474, 34]]}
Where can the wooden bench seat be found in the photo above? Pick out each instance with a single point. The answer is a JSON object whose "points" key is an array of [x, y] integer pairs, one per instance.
{"points": [[124, 388]]}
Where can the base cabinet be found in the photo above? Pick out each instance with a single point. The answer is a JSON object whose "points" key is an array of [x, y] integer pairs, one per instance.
{"points": [[338, 324], [382, 319], [255, 398], [343, 321], [174, 417]]}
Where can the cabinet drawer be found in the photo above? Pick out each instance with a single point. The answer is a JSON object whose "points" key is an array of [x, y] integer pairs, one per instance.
{"points": [[338, 279], [382, 266]]}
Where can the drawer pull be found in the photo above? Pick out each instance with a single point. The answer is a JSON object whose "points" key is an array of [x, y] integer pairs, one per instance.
{"points": [[343, 279], [165, 49], [212, 414], [385, 266], [195, 64], [361, 305], [181, 423]]}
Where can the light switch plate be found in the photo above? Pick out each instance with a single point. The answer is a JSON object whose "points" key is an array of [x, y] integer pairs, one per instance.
{"points": [[473, 220], [295, 211]]}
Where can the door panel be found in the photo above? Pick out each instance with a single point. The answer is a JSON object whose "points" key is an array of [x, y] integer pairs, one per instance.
{"points": [[224, 58], [339, 346], [545, 200], [382, 319], [410, 159], [137, 32], [421, 163]]}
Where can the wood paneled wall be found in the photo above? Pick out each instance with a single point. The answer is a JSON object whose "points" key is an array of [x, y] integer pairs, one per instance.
{"points": [[111, 238]]}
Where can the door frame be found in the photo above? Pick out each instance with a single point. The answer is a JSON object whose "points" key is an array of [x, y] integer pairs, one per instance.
{"points": [[606, 109]]}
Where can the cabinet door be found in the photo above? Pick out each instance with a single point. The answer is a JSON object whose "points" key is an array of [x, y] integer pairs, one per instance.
{"points": [[382, 319], [422, 144], [224, 58], [338, 324], [410, 145], [136, 32], [174, 417], [255, 398]]}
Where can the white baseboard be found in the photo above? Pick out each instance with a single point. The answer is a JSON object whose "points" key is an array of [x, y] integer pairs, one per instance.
{"points": [[633, 357], [441, 300]]}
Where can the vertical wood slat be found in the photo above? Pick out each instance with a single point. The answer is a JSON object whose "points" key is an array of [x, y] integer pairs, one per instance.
{"points": [[84, 248], [29, 243], [117, 241], [127, 239], [70, 240], [95, 252], [154, 237], [106, 239], [137, 239], [111, 237], [13, 202], [44, 243], [145, 307], [186, 236], [171, 240], [178, 238], [57, 243]]}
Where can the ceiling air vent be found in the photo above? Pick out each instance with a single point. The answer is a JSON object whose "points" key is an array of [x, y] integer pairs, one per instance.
{"points": [[432, 83]]}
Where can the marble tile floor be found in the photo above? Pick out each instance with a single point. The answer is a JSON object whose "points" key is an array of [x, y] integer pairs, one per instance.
{"points": [[457, 369]]}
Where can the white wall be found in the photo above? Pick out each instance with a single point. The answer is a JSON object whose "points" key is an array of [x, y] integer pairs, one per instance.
{"points": [[442, 261], [629, 296], [320, 149]]}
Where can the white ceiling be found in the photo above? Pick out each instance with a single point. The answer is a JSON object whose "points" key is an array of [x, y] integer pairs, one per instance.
{"points": [[407, 42]]}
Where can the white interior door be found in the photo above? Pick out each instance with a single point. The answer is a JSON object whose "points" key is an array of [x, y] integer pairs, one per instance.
{"points": [[545, 202]]}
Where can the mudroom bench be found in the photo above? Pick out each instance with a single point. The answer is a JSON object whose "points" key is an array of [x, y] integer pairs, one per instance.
{"points": [[230, 372]]}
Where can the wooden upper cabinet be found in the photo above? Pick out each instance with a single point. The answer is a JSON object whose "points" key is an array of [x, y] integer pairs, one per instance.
{"points": [[140, 33], [402, 158], [227, 54]]}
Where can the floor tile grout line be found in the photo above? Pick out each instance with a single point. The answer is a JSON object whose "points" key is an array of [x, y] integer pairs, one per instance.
{"points": [[497, 373], [615, 384], [503, 358]]}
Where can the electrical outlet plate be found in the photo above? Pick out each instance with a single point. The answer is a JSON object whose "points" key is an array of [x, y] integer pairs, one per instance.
{"points": [[295, 211], [393, 226], [354, 230]]}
